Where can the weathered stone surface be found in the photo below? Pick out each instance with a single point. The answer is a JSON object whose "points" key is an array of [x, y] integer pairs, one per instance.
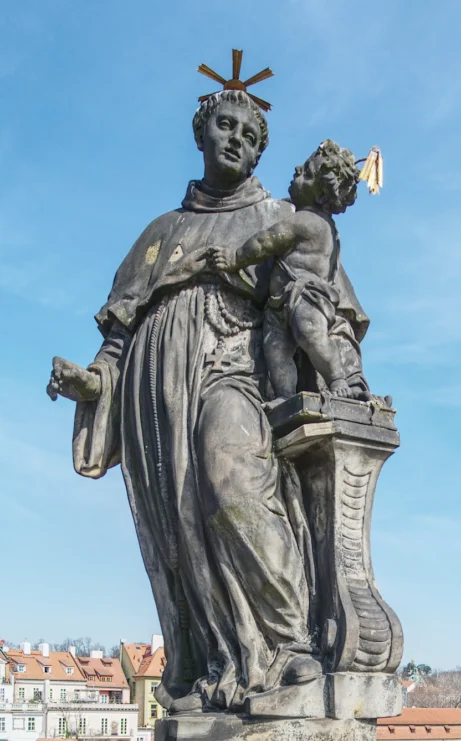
{"points": [[339, 463], [239, 728], [339, 695], [354, 695], [300, 701], [308, 407]]}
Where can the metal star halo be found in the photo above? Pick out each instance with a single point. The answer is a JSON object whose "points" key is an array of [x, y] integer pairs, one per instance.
{"points": [[235, 83]]}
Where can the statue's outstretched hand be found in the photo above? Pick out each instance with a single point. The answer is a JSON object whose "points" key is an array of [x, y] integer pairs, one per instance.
{"points": [[222, 258], [73, 382]]}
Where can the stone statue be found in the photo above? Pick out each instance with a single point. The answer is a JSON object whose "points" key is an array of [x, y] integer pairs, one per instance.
{"points": [[237, 512], [302, 305]]}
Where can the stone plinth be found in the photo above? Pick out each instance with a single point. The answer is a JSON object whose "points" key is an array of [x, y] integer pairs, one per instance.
{"points": [[228, 727], [342, 695]]}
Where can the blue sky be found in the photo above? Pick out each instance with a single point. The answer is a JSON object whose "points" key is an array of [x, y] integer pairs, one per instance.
{"points": [[95, 140]]}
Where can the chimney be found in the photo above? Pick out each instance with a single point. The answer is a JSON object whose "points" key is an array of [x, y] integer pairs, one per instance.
{"points": [[25, 648], [44, 649], [96, 654], [156, 642], [72, 650]]}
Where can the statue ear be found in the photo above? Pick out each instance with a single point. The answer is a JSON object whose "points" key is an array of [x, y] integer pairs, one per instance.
{"points": [[199, 141]]}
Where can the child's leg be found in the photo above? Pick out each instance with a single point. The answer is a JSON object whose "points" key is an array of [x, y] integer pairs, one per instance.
{"points": [[310, 330], [279, 348]]}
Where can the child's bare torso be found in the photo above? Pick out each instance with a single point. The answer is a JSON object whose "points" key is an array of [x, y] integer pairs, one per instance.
{"points": [[315, 251]]}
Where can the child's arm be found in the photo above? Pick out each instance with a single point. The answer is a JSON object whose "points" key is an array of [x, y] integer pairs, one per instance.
{"points": [[274, 241]]}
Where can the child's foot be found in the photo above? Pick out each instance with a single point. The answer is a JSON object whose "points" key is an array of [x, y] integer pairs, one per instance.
{"points": [[341, 388]]}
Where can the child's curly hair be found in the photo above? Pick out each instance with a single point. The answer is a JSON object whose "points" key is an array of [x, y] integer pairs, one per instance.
{"points": [[333, 176]]}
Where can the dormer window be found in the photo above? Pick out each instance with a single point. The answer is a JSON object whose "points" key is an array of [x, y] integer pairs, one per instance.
{"points": [[69, 670], [21, 668], [47, 669]]}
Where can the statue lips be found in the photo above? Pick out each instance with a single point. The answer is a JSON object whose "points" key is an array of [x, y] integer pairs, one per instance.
{"points": [[232, 155]]}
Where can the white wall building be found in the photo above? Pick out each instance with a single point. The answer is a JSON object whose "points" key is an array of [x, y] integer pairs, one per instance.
{"points": [[54, 694], [90, 720], [6, 676], [21, 721]]}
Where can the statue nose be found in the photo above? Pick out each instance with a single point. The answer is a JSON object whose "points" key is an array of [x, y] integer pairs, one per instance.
{"points": [[236, 139]]}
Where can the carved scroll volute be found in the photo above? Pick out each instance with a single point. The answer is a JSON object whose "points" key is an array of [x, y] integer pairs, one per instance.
{"points": [[339, 478]]}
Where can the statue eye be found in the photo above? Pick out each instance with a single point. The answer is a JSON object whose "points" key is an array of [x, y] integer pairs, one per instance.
{"points": [[251, 139], [224, 123]]}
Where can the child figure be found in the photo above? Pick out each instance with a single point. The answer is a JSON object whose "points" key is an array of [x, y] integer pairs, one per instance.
{"points": [[302, 305]]}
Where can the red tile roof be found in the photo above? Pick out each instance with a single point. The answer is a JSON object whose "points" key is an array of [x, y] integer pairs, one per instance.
{"points": [[422, 723], [35, 661], [105, 667], [136, 652], [152, 664]]}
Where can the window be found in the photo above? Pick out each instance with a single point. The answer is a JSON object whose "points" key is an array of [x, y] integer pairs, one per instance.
{"points": [[21, 693], [69, 670], [164, 712], [103, 699], [21, 668], [62, 694], [2, 724], [82, 726], [153, 685], [123, 726], [104, 726], [18, 723], [153, 710], [31, 724], [47, 669], [37, 693], [51, 693], [2, 694], [77, 695], [62, 726]]}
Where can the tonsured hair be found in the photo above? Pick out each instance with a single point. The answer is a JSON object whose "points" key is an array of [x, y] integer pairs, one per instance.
{"points": [[237, 97], [334, 176]]}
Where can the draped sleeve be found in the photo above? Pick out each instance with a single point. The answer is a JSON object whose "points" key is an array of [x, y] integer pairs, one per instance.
{"points": [[96, 444]]}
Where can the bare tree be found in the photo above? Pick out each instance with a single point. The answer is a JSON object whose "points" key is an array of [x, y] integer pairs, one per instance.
{"points": [[440, 690], [114, 652]]}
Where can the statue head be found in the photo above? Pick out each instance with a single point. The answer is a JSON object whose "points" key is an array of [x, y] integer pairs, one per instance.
{"points": [[232, 133], [327, 180]]}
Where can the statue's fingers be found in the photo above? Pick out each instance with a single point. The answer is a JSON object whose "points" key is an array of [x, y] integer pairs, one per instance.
{"points": [[51, 391]]}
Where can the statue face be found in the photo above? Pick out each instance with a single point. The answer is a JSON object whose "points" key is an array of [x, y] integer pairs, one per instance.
{"points": [[231, 144], [300, 189]]}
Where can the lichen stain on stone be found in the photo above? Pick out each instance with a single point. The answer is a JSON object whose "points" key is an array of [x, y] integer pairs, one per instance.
{"points": [[152, 253]]}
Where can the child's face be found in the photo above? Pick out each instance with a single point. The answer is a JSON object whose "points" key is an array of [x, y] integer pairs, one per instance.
{"points": [[300, 190]]}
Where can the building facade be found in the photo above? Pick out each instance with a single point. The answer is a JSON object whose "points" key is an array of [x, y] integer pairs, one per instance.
{"points": [[54, 694], [143, 665]]}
